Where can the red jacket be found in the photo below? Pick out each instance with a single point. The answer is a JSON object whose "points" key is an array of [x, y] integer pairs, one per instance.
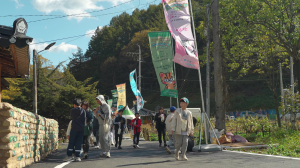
{"points": [[136, 128]]}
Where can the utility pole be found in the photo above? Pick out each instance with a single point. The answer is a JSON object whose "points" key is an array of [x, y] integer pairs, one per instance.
{"points": [[34, 82], [207, 69], [218, 70], [281, 84], [140, 68]]}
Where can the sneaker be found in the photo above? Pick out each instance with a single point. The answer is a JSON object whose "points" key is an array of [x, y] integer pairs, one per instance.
{"points": [[96, 147], [116, 145], [68, 158], [119, 147], [165, 145], [160, 145], [78, 159], [137, 146], [183, 157], [168, 150], [134, 146], [108, 155], [85, 155]]}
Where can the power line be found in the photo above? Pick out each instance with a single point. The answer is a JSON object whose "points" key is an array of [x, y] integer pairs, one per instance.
{"points": [[61, 16], [88, 16]]}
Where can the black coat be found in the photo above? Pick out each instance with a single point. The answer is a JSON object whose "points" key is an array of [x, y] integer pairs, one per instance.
{"points": [[117, 120], [159, 124]]}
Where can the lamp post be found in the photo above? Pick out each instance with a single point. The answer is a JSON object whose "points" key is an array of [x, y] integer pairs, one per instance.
{"points": [[35, 54]]}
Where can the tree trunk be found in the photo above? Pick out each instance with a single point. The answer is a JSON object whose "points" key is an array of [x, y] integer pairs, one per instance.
{"points": [[218, 74], [276, 107], [297, 71]]}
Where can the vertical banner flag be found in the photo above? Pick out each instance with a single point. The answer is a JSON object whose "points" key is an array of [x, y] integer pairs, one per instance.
{"points": [[178, 19], [162, 55], [121, 96], [136, 92], [114, 98]]}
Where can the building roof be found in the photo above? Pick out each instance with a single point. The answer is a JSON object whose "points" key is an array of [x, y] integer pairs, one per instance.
{"points": [[145, 112], [14, 49]]}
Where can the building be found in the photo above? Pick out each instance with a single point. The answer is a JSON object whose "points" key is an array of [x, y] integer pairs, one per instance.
{"points": [[14, 52], [146, 115]]}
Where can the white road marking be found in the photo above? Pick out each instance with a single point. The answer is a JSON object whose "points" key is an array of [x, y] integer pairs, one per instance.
{"points": [[63, 164], [283, 157]]}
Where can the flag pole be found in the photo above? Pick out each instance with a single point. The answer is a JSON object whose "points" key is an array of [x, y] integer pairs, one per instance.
{"points": [[199, 73], [175, 72]]}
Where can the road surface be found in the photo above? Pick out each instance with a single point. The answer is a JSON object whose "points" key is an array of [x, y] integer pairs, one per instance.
{"points": [[152, 156]]}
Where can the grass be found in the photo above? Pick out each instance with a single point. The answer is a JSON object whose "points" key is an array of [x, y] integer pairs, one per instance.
{"points": [[283, 142]]}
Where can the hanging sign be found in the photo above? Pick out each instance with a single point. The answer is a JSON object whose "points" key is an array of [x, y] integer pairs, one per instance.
{"points": [[114, 98], [178, 19], [162, 55]]}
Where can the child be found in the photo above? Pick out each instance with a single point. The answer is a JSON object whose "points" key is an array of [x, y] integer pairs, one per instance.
{"points": [[182, 126], [136, 126], [169, 130]]}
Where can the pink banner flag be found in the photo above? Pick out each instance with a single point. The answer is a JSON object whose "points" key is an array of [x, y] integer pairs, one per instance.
{"points": [[179, 23]]}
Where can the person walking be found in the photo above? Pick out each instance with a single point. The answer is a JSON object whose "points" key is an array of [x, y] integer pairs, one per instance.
{"points": [[96, 129], [169, 130], [77, 128], [87, 129], [112, 130], [161, 126], [119, 124], [136, 126], [182, 126], [104, 119]]}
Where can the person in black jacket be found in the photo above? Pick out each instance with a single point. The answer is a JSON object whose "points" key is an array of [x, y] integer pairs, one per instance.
{"points": [[96, 129], [119, 122], [160, 118], [77, 128]]}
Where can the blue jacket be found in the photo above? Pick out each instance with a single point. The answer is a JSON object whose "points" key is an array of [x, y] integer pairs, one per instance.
{"points": [[78, 118]]}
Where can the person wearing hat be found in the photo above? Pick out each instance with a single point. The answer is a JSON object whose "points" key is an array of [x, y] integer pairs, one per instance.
{"points": [[182, 126], [119, 124], [169, 130], [104, 119], [136, 126]]}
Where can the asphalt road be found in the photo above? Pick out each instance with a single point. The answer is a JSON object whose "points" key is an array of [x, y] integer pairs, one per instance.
{"points": [[152, 156]]}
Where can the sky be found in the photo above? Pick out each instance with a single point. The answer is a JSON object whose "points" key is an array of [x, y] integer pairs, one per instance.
{"points": [[84, 16]]}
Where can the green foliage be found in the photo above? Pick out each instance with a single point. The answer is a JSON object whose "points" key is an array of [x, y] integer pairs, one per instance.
{"points": [[56, 91]]}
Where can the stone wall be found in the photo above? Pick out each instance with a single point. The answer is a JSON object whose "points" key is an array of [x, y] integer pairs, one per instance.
{"points": [[25, 137]]}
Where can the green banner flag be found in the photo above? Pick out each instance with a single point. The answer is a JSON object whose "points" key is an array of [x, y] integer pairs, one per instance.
{"points": [[162, 57], [109, 102], [115, 98]]}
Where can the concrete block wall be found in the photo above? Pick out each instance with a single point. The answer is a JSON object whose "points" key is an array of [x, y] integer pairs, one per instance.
{"points": [[25, 137]]}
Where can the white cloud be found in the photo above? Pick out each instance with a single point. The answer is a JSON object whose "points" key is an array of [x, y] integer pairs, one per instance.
{"points": [[18, 4], [90, 33], [70, 7], [62, 47]]}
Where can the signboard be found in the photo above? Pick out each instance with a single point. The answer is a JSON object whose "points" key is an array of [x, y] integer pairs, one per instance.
{"points": [[121, 96]]}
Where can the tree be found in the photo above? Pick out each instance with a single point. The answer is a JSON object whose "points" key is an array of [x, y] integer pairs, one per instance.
{"points": [[218, 69]]}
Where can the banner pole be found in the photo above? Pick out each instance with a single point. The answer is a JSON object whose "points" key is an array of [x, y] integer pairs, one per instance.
{"points": [[199, 73], [175, 72]]}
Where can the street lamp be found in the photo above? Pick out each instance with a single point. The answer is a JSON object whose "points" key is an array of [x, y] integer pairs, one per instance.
{"points": [[34, 76]]}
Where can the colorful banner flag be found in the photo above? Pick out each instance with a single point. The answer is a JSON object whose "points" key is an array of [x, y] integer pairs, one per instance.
{"points": [[121, 96], [162, 55], [114, 98], [132, 82], [178, 19], [136, 92]]}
